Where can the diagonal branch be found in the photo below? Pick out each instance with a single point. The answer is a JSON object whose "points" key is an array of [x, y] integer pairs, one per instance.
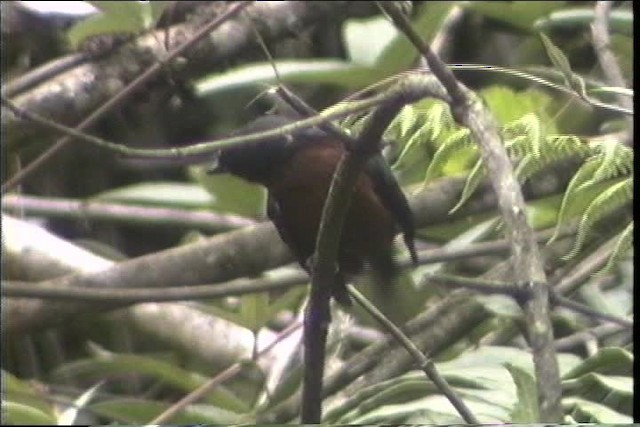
{"points": [[317, 317], [608, 62], [423, 362], [126, 92], [526, 261]]}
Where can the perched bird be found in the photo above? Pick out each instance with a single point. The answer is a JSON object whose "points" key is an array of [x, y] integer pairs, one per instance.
{"points": [[297, 171]]}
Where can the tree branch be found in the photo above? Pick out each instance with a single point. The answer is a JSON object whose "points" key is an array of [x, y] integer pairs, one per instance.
{"points": [[423, 362], [96, 210], [113, 101], [527, 265], [608, 62]]}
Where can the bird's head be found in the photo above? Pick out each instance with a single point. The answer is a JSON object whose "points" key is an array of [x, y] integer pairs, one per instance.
{"points": [[260, 161]]}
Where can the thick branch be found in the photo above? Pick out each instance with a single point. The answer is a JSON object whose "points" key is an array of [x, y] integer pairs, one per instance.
{"points": [[84, 88], [236, 254], [527, 265], [95, 210]]}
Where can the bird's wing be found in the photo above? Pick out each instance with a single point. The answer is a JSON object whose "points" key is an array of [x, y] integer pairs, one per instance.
{"points": [[273, 212], [387, 188]]}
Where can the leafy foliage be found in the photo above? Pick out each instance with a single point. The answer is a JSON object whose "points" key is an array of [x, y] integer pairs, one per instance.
{"points": [[111, 370], [117, 18], [603, 184]]}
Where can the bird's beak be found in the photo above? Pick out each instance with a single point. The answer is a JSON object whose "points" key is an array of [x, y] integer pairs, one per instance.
{"points": [[216, 167]]}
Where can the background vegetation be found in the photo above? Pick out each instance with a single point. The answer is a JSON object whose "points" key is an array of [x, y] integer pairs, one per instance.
{"points": [[92, 218]]}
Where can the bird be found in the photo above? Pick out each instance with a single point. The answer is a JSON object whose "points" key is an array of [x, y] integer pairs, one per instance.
{"points": [[297, 170]]}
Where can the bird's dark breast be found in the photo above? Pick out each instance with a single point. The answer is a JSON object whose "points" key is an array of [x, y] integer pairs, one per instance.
{"points": [[300, 191]]}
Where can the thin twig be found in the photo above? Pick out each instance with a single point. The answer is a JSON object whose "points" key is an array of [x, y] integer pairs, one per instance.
{"points": [[34, 77], [565, 302], [336, 205], [422, 361], [598, 332], [120, 212], [527, 264], [223, 376], [608, 62], [496, 287], [57, 290], [317, 316], [198, 152], [585, 268], [125, 93], [12, 289], [483, 286]]}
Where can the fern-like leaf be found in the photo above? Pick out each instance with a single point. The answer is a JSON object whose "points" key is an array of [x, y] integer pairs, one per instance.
{"points": [[422, 136], [527, 126], [354, 122], [623, 245], [404, 123], [473, 180], [614, 159], [418, 126], [439, 118], [449, 147], [615, 196], [554, 148], [572, 195]]}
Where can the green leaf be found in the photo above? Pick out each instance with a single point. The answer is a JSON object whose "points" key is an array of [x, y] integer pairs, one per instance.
{"points": [[414, 143], [254, 310], [529, 137], [24, 394], [166, 372], [542, 213], [497, 356], [623, 245], [231, 194], [117, 17], [471, 184], [557, 57], [450, 148], [519, 108], [169, 194], [554, 148], [584, 411], [420, 130], [620, 20], [615, 392], [608, 361], [140, 411], [98, 25], [613, 158], [15, 413], [521, 15], [314, 71], [617, 195], [478, 377], [526, 408], [577, 199], [561, 62]]}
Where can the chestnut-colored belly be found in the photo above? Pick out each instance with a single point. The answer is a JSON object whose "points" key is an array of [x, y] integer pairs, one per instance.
{"points": [[301, 192]]}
